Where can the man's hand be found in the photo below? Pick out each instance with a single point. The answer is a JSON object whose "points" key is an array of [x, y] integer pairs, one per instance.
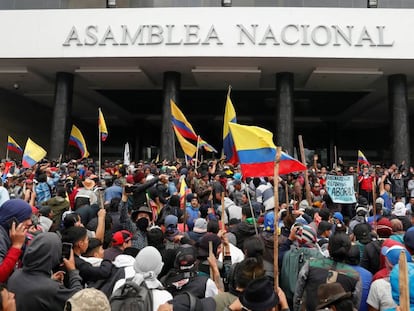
{"points": [[58, 276], [70, 263], [102, 213], [17, 235]]}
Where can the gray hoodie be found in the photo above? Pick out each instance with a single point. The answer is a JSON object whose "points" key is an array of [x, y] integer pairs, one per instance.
{"points": [[33, 286]]}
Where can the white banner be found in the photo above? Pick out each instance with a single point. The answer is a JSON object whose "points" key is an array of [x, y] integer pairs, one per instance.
{"points": [[341, 188], [127, 156]]}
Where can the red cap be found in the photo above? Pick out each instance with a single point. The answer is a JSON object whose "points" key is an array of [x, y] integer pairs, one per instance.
{"points": [[130, 179], [121, 237]]}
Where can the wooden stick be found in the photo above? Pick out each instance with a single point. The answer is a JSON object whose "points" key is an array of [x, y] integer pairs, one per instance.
{"points": [[307, 186], [374, 206], [251, 209], [403, 283], [198, 146], [185, 213], [223, 213], [276, 221], [223, 217], [287, 192], [210, 253]]}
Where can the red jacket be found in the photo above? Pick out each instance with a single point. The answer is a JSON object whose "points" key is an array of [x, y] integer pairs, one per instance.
{"points": [[365, 183], [9, 262]]}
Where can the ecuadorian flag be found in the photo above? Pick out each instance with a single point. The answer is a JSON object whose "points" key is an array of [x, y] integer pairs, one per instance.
{"points": [[102, 126], [257, 152], [180, 122], [362, 159], [33, 153], [188, 148], [76, 139], [206, 146], [228, 144], [13, 146]]}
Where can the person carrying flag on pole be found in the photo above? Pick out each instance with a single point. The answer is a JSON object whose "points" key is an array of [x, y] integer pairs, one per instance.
{"points": [[366, 178]]}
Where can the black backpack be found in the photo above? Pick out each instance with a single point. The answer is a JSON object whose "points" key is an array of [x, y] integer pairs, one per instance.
{"points": [[132, 297], [165, 211]]}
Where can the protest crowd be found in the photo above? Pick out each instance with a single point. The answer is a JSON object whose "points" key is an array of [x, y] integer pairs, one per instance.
{"points": [[171, 236]]}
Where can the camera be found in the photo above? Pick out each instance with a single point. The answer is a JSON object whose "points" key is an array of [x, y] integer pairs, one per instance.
{"points": [[129, 189]]}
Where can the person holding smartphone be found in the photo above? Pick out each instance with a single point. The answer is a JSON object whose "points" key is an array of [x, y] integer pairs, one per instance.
{"points": [[15, 219], [34, 285]]}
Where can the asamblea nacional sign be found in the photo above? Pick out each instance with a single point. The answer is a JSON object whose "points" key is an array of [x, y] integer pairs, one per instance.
{"points": [[208, 32]]}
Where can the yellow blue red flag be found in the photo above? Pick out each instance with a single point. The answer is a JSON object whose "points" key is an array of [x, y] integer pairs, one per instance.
{"points": [[102, 126], [184, 190], [33, 153], [188, 148], [76, 139], [362, 159], [184, 128], [257, 152], [180, 122], [12, 145], [228, 144], [206, 146]]}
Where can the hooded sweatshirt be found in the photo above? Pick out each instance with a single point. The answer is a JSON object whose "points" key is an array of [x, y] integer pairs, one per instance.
{"points": [[9, 256], [147, 266], [33, 286]]}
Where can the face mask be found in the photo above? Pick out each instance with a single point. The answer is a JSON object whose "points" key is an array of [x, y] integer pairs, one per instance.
{"points": [[142, 223]]}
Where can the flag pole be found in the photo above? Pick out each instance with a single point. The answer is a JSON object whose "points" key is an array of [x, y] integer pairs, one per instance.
{"points": [[374, 198], [403, 282], [198, 146], [7, 149], [223, 217], [276, 220], [228, 91], [223, 214], [307, 186], [251, 209], [287, 192], [99, 147]]}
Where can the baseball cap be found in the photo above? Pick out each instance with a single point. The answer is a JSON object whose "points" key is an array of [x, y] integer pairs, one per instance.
{"points": [[121, 237], [170, 222], [393, 253], [338, 215], [384, 227]]}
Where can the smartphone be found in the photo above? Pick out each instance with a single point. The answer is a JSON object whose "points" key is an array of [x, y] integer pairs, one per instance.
{"points": [[13, 220], [66, 248]]}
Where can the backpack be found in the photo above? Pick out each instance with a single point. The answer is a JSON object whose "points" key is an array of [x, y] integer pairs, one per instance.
{"points": [[180, 282], [293, 261], [165, 211], [132, 297]]}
